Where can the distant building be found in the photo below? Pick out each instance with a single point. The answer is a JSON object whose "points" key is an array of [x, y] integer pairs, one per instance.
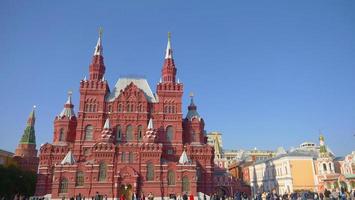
{"points": [[26, 152], [286, 173], [333, 172], [6, 157]]}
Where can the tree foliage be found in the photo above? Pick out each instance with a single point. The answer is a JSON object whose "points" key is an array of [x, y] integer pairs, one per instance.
{"points": [[14, 181]]}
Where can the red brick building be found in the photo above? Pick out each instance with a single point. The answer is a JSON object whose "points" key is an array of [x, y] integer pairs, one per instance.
{"points": [[127, 140]]}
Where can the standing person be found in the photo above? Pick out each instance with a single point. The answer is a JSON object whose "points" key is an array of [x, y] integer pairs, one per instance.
{"points": [[150, 196], [263, 196], [326, 194], [184, 197], [97, 196], [191, 197], [122, 197], [321, 196]]}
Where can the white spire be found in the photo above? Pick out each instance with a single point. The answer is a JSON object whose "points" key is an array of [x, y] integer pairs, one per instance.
{"points": [[68, 159], [107, 124], [150, 124], [169, 51], [183, 158], [69, 97], [68, 110], [99, 49]]}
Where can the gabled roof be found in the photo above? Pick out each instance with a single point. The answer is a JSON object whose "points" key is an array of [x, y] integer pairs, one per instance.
{"points": [[68, 159], [141, 83], [183, 158]]}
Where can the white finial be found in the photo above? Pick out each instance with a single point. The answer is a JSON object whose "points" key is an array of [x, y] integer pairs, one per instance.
{"points": [[69, 97], [107, 124], [169, 51], [34, 107], [84, 78], [160, 81], [103, 78], [99, 49], [150, 124], [178, 81]]}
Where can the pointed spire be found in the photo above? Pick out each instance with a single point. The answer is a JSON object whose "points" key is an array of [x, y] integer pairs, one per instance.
{"points": [[183, 158], [107, 124], [85, 78], [29, 136], [68, 159], [68, 110], [99, 48], [169, 51], [150, 124], [69, 98], [32, 118]]}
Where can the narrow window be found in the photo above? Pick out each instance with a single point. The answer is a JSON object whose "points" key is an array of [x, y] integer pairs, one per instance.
{"points": [[63, 186], [61, 135], [102, 172], [118, 133], [185, 184], [129, 133], [79, 178], [171, 177], [130, 157], [140, 132], [89, 133], [150, 172], [169, 133]]}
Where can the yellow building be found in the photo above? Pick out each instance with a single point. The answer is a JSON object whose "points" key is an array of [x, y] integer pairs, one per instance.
{"points": [[287, 173]]}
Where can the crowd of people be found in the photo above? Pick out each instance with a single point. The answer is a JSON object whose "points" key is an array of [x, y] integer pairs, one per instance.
{"points": [[335, 194]]}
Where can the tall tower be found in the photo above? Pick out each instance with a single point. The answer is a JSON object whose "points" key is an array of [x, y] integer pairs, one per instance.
{"points": [[168, 113], [26, 152], [91, 117]]}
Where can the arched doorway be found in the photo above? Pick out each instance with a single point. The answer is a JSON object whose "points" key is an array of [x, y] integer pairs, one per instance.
{"points": [[126, 190]]}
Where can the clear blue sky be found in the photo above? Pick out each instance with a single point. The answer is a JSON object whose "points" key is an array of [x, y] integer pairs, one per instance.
{"points": [[265, 73]]}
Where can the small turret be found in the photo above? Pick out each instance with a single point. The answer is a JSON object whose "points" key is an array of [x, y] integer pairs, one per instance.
{"points": [[65, 123]]}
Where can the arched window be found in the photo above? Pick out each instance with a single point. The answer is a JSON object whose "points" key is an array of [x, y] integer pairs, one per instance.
{"points": [[119, 107], [330, 167], [110, 108], [118, 133], [173, 109], [185, 184], [128, 108], [88, 132], [169, 133], [171, 177], [140, 108], [90, 108], [79, 180], [132, 108], [61, 135], [63, 185], [123, 157], [165, 109], [129, 133], [324, 167], [193, 136], [102, 172], [94, 108], [198, 174], [130, 157], [140, 132], [150, 172]]}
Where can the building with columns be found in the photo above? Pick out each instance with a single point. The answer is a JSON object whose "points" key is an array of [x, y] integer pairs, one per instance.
{"points": [[127, 140]]}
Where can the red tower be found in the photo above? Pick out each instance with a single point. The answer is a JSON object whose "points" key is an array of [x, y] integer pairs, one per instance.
{"points": [[26, 152], [126, 141]]}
